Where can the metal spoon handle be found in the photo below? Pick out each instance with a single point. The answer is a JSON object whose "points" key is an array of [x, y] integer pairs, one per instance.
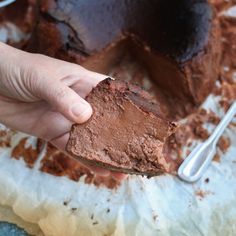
{"points": [[199, 159], [223, 124], [5, 3], [196, 163]]}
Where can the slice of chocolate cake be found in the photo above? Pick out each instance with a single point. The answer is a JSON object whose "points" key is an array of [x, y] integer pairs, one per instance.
{"points": [[125, 133]]}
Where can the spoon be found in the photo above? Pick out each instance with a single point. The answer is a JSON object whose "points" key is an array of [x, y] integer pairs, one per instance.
{"points": [[194, 166], [6, 2]]}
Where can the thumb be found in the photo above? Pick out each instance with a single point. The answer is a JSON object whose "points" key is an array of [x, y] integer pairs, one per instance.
{"points": [[66, 101]]}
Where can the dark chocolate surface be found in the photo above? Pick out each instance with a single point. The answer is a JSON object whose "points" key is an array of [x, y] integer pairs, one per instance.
{"points": [[177, 28]]}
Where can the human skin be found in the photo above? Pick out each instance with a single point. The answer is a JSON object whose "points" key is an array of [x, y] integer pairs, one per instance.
{"points": [[43, 96]]}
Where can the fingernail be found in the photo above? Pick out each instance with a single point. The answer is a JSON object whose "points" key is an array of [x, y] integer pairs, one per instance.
{"points": [[81, 112]]}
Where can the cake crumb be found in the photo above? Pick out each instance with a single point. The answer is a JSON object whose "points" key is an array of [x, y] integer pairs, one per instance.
{"points": [[201, 132], [213, 118], [224, 104], [5, 139], [224, 143], [216, 158], [28, 154], [202, 194]]}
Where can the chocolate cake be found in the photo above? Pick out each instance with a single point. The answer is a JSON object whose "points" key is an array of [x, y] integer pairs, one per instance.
{"points": [[125, 133], [177, 41]]}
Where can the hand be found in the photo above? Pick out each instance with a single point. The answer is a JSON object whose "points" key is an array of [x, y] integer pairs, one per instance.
{"points": [[43, 96]]}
